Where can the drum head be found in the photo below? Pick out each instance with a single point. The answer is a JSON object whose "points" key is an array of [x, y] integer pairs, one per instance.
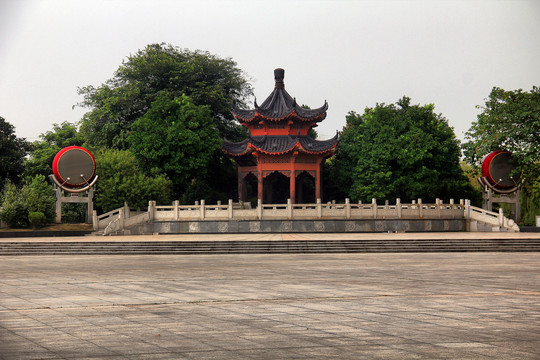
{"points": [[74, 166]]}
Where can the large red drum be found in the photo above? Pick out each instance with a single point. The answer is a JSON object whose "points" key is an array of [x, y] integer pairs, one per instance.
{"points": [[74, 166], [498, 167]]}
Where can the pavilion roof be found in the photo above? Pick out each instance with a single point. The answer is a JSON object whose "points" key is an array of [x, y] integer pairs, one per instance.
{"points": [[279, 144], [279, 105]]}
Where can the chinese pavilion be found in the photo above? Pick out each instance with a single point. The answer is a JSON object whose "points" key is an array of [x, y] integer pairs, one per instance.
{"points": [[279, 143]]}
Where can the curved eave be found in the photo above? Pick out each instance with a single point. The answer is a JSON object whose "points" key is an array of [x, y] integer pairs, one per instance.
{"points": [[328, 151], [246, 152], [280, 145], [312, 146], [296, 112], [236, 149]]}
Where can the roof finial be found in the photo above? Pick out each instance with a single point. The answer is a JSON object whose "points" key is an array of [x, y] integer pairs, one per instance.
{"points": [[279, 74]]}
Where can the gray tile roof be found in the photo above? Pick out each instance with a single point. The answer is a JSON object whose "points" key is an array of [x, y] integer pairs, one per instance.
{"points": [[279, 144]]}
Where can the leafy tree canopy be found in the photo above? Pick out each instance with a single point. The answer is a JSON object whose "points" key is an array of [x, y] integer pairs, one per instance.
{"points": [[509, 120], [121, 180], [404, 151], [207, 79], [12, 153], [44, 150], [176, 136]]}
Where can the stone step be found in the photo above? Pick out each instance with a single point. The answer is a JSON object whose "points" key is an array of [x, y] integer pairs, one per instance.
{"points": [[266, 247]]}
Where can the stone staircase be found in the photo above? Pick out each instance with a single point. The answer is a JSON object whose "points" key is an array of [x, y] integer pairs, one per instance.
{"points": [[269, 247]]}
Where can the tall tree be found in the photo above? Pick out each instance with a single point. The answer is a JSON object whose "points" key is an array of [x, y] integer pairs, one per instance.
{"points": [[12, 153], [176, 136], [122, 180], [50, 143], [404, 151], [510, 120], [207, 79]]}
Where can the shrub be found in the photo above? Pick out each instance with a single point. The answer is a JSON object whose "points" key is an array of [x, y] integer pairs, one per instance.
{"points": [[14, 211], [14, 214], [34, 196], [37, 219], [74, 213], [39, 196]]}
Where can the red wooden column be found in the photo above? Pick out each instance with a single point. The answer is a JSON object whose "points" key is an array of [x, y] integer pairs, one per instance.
{"points": [[292, 178], [241, 195], [318, 192], [260, 177]]}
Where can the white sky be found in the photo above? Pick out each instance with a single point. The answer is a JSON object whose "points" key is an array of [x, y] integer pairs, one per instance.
{"points": [[352, 53]]}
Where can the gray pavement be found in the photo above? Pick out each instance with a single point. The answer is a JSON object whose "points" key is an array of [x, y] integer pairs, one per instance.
{"points": [[346, 306]]}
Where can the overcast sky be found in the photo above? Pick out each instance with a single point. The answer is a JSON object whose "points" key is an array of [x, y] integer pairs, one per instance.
{"points": [[353, 54]]}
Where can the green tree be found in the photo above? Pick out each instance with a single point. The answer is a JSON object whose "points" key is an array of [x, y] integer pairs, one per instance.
{"points": [[14, 211], [12, 153], [35, 195], [119, 102], [39, 196], [510, 120], [404, 151], [176, 136], [50, 143], [121, 180]]}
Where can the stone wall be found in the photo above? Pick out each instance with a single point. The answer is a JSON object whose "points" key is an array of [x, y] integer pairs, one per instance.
{"points": [[299, 226]]}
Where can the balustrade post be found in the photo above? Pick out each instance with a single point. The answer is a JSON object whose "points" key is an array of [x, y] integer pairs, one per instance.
{"points": [[347, 208], [398, 207], [319, 209], [438, 207], [420, 208], [126, 210], [501, 217], [467, 209], [229, 209], [176, 210], [289, 209], [259, 209], [202, 210], [151, 209], [374, 207], [121, 219], [452, 208], [95, 220]]}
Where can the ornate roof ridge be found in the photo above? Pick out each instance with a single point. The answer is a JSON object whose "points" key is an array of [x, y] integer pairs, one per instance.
{"points": [[279, 105]]}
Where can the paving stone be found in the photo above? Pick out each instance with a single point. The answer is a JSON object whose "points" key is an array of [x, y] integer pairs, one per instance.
{"points": [[346, 306]]}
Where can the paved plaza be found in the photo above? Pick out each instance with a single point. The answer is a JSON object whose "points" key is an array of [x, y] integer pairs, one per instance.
{"points": [[323, 306]]}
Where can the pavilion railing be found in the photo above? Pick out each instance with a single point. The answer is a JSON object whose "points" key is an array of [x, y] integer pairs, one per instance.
{"points": [[124, 217]]}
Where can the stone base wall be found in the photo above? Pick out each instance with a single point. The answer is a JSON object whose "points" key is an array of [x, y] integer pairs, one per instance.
{"points": [[298, 226]]}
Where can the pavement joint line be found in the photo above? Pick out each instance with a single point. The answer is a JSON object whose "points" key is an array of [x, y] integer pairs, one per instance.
{"points": [[319, 298]]}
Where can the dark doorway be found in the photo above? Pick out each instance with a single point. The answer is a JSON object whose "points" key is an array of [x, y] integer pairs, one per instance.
{"points": [[276, 188], [305, 188], [250, 184]]}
